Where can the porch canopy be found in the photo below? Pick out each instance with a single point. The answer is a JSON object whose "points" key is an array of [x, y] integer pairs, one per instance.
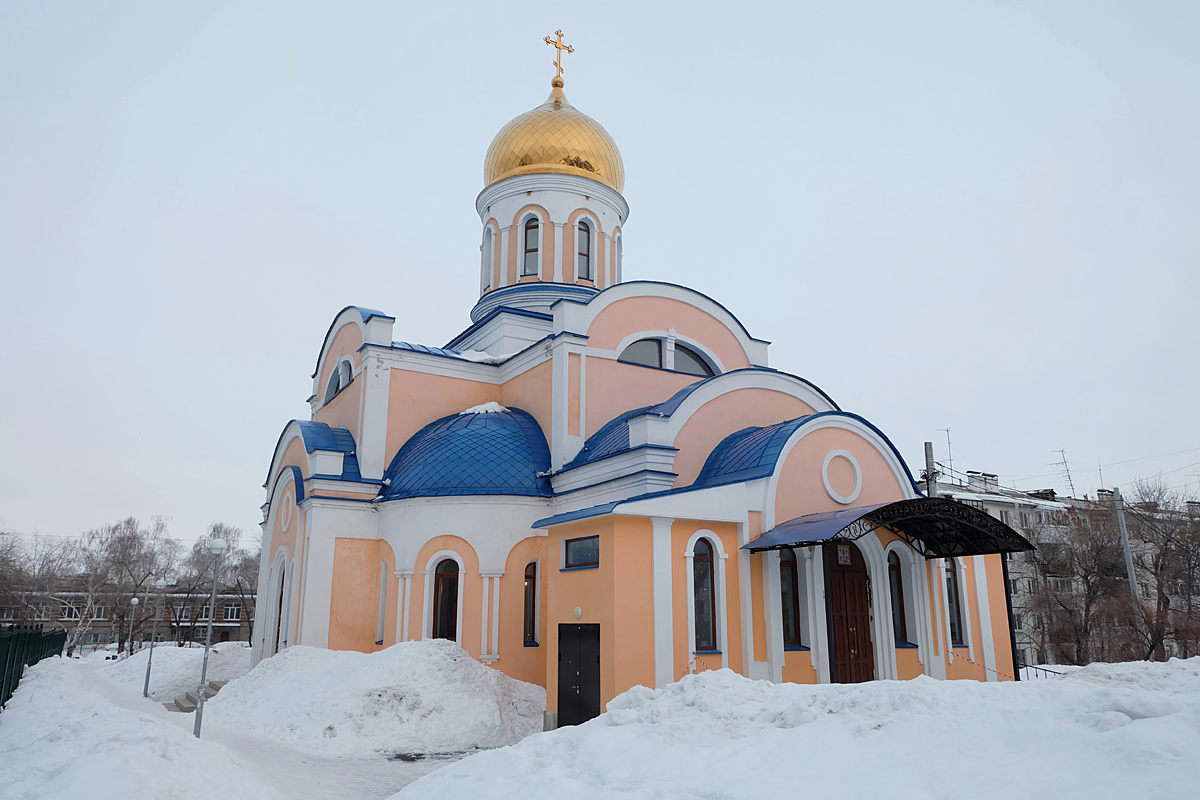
{"points": [[935, 527]]}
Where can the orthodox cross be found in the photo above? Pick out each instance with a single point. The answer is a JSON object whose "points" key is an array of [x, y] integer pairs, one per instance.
{"points": [[558, 45]]}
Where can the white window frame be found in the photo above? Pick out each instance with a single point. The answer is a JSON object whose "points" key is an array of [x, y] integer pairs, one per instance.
{"points": [[719, 591], [427, 611], [237, 608], [488, 251], [593, 228], [541, 251]]}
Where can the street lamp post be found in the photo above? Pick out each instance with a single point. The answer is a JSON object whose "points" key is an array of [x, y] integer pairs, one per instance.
{"points": [[159, 584], [132, 619], [217, 547]]}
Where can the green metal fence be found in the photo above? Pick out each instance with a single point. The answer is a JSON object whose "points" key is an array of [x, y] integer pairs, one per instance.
{"points": [[24, 647]]}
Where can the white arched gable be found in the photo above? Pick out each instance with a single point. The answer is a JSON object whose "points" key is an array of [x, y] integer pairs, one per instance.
{"points": [[282, 501], [374, 328], [574, 316], [728, 382], [848, 423], [427, 610], [291, 432]]}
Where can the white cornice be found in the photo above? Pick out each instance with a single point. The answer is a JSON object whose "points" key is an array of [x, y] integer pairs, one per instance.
{"points": [[573, 184]]}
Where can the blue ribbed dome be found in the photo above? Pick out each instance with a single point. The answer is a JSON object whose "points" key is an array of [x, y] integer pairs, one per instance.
{"points": [[499, 452]]}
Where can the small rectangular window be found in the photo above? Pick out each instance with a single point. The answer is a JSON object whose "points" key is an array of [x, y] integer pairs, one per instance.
{"points": [[582, 552], [233, 611]]}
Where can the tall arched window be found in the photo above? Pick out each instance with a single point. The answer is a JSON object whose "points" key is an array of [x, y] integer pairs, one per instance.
{"points": [[489, 250], [583, 243], [956, 627], [445, 600], [531, 603], [789, 594], [529, 266], [896, 583], [704, 596]]}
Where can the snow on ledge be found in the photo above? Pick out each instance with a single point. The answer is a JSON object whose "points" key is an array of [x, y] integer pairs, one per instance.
{"points": [[486, 408], [480, 357]]}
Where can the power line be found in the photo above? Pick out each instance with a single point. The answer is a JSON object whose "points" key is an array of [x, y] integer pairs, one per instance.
{"points": [[1112, 464]]}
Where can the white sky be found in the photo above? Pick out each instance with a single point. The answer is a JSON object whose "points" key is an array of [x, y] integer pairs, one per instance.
{"points": [[980, 216]]}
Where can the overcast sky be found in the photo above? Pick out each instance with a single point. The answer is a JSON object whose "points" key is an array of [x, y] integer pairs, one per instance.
{"points": [[976, 216]]}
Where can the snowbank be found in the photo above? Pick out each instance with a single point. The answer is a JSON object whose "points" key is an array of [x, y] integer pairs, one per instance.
{"points": [[1105, 731], [60, 738], [414, 697], [176, 670]]}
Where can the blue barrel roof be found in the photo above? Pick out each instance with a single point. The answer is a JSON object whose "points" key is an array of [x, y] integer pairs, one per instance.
{"points": [[499, 452]]}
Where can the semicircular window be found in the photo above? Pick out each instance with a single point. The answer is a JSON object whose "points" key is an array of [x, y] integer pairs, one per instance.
{"points": [[647, 352], [689, 361]]}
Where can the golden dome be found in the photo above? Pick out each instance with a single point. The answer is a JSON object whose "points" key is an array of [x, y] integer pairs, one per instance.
{"points": [[554, 138]]}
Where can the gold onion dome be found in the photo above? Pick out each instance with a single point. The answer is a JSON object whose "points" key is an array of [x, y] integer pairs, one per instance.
{"points": [[554, 138]]}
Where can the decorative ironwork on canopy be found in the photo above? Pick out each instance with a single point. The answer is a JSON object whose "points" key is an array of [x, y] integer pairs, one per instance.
{"points": [[935, 527]]}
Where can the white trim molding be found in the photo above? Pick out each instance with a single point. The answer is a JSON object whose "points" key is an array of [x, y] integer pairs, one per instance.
{"points": [[427, 611]]}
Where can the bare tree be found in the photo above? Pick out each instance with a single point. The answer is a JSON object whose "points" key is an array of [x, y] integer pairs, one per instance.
{"points": [[136, 556]]}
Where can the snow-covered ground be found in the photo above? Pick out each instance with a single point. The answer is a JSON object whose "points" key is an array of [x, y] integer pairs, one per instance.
{"points": [[175, 670], [415, 697], [1105, 731], [80, 728]]}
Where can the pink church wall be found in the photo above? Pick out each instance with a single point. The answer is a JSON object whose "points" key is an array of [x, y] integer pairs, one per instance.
{"points": [[354, 600], [802, 490], [416, 399], [517, 660], [531, 391], [346, 342], [472, 591], [724, 415], [614, 388], [345, 409], [633, 314]]}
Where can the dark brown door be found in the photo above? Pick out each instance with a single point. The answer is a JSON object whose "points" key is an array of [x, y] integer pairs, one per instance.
{"points": [[850, 614]]}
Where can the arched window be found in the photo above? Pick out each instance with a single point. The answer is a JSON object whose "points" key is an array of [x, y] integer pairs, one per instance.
{"points": [[489, 250], [339, 379], [531, 603], [896, 583], [704, 596], [529, 266], [647, 352], [583, 243], [789, 592], [620, 251], [956, 627], [689, 361], [445, 600]]}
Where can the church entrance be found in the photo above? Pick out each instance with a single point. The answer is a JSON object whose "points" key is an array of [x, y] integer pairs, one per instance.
{"points": [[578, 673], [848, 606]]}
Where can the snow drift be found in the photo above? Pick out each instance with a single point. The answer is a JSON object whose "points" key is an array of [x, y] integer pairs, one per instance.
{"points": [[1107, 730], [176, 670], [415, 697]]}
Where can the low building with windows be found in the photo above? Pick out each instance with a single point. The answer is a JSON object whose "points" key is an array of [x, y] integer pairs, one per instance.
{"points": [[601, 483]]}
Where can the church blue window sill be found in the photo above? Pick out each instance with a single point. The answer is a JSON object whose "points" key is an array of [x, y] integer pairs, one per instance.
{"points": [[796, 648], [576, 569], [962, 647], [531, 644], [709, 653], [905, 646]]}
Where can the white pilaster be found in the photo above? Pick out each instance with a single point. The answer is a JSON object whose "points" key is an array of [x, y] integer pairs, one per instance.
{"points": [[402, 595], [985, 617], [664, 643]]}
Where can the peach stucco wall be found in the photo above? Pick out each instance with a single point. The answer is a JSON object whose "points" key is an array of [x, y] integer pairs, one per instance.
{"points": [[798, 668], [344, 409], [998, 606], [908, 663], [724, 415], [472, 591], [530, 391], [573, 394], [354, 602], [516, 660], [681, 531], [801, 490], [633, 314], [614, 388], [416, 399], [346, 342]]}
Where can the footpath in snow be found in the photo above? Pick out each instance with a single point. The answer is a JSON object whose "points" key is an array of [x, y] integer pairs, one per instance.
{"points": [[1105, 731], [81, 728]]}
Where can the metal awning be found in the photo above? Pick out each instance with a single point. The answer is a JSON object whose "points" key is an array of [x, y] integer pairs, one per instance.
{"points": [[935, 527]]}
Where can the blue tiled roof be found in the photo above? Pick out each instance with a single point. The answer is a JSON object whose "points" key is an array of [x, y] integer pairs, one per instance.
{"points": [[472, 454], [424, 348], [748, 454], [319, 436]]}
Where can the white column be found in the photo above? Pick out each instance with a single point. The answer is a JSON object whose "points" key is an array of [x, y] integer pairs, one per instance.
{"points": [[985, 618], [816, 597], [318, 581], [664, 643], [483, 619], [503, 257], [723, 611], [773, 610], [495, 617], [402, 593], [559, 267], [745, 605]]}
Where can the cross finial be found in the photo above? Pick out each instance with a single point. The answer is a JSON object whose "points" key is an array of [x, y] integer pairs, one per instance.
{"points": [[558, 45]]}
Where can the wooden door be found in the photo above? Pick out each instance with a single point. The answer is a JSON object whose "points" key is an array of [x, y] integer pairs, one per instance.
{"points": [[850, 614], [578, 673]]}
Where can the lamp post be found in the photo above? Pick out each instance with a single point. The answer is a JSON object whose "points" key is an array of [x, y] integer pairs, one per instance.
{"points": [[217, 547], [132, 619], [159, 584]]}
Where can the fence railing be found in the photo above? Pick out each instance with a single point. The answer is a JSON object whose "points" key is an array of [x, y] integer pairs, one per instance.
{"points": [[24, 647], [1030, 672]]}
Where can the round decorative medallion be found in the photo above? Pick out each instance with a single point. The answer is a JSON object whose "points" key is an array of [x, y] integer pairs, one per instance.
{"points": [[286, 519], [844, 499]]}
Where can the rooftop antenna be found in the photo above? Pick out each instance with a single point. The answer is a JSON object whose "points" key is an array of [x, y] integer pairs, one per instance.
{"points": [[949, 452], [1067, 469], [1100, 467]]}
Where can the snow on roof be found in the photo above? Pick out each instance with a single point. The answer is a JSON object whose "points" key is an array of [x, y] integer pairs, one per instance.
{"points": [[480, 357], [490, 407]]}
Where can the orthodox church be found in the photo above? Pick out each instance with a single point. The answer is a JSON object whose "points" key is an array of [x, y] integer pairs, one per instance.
{"points": [[602, 483]]}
